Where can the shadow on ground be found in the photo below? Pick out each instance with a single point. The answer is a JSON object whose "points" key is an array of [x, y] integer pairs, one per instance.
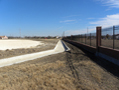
{"points": [[106, 65]]}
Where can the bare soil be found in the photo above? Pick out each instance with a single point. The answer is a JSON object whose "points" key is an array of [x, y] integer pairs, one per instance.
{"points": [[73, 70], [48, 44]]}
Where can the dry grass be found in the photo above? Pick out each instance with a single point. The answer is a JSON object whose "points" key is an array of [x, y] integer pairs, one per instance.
{"points": [[95, 70], [73, 70], [93, 77], [36, 77], [90, 75]]}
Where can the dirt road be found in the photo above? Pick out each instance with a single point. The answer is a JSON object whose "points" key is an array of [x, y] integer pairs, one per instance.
{"points": [[73, 70]]}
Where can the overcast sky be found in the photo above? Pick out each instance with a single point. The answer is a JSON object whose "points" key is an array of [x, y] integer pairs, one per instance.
{"points": [[53, 17]]}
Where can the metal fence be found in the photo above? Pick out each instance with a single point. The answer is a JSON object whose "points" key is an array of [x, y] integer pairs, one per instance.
{"points": [[89, 39], [110, 37]]}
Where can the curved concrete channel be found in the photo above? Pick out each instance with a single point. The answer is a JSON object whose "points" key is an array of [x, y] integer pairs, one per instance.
{"points": [[59, 48]]}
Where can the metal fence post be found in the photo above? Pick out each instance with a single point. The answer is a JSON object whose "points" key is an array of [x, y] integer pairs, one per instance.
{"points": [[71, 37], [113, 36], [98, 38]]}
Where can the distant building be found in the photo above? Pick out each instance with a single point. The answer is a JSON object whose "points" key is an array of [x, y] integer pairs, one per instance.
{"points": [[3, 37], [117, 36], [57, 37]]}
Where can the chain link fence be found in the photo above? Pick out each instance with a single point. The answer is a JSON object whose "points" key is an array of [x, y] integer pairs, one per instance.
{"points": [[89, 39], [116, 35], [110, 37]]}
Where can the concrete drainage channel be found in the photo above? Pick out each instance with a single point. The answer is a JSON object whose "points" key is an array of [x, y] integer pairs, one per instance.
{"points": [[59, 48]]}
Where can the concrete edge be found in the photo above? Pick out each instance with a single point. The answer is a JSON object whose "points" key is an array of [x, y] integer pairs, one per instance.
{"points": [[65, 46], [59, 48], [108, 58]]}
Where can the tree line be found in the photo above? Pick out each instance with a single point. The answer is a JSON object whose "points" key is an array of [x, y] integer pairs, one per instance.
{"points": [[33, 37]]}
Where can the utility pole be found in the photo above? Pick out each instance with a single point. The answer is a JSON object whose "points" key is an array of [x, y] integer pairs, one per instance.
{"points": [[63, 34], [87, 30], [20, 32]]}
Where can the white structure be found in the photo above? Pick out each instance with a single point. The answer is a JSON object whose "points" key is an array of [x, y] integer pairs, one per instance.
{"points": [[15, 44], [117, 36], [3, 37], [57, 37]]}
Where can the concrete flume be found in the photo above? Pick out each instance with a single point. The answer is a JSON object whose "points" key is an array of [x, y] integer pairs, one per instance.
{"points": [[59, 48]]}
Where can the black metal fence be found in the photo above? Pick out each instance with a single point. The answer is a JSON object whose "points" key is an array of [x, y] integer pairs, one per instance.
{"points": [[89, 39], [110, 37]]}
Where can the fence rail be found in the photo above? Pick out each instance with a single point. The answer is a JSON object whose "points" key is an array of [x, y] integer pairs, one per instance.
{"points": [[109, 38], [89, 39]]}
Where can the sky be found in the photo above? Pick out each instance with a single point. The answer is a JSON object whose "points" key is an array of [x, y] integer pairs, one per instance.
{"points": [[53, 17]]}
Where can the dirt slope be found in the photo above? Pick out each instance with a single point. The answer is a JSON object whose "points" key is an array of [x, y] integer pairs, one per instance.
{"points": [[73, 70]]}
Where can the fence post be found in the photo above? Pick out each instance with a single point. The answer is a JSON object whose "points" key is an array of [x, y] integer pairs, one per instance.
{"points": [[71, 37], [113, 36], [98, 38]]}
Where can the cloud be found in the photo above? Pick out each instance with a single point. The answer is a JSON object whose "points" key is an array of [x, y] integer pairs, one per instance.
{"points": [[59, 27], [67, 21], [109, 20], [75, 32], [111, 3], [90, 29], [71, 16]]}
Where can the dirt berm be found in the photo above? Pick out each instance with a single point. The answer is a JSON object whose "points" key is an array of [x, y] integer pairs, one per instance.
{"points": [[73, 70]]}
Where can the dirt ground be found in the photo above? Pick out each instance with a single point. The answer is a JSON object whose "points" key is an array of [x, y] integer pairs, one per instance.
{"points": [[73, 70], [48, 44]]}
